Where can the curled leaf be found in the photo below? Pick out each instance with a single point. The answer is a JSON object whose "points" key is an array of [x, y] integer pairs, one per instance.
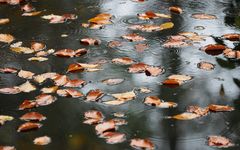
{"points": [[105, 126], [27, 104], [94, 95], [176, 9]]}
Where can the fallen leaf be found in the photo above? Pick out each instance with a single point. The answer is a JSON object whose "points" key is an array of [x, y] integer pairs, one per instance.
{"points": [[145, 90], [94, 95], [92, 26], [123, 60], [152, 100], [45, 99], [24, 50], [40, 59], [219, 108], [105, 126], [219, 141], [119, 122], [44, 140], [205, 66], [203, 16], [198, 110], [53, 19], [90, 41], [141, 47], [101, 19], [36, 46], [4, 21], [42, 77], [154, 71], [7, 148], [112, 81], [34, 13], [6, 38], [69, 92], [137, 68], [232, 36], [175, 44], [8, 70], [176, 9], [28, 126], [75, 68], [146, 28], [186, 116], [25, 74], [167, 25], [151, 15], [27, 7], [33, 116], [75, 83], [113, 137], [142, 144], [65, 53], [114, 44], [119, 114], [93, 117], [27, 87], [4, 118], [126, 96], [61, 80], [133, 37], [27, 104], [48, 90], [180, 77]]}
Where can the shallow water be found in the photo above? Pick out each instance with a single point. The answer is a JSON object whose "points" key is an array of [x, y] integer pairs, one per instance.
{"points": [[64, 117]]}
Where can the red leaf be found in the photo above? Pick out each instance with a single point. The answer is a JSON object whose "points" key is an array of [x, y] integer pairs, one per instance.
{"points": [[93, 117], [176, 9], [61, 80], [137, 68], [75, 68], [29, 126], [27, 104], [44, 99], [33, 116], [232, 36], [142, 143], [94, 95]]}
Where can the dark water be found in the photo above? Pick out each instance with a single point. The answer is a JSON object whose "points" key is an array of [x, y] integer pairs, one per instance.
{"points": [[64, 117]]}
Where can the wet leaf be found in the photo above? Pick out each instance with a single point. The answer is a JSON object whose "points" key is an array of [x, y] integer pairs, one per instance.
{"points": [[94, 95], [141, 47], [44, 140], [151, 15], [213, 47], [120, 122], [6, 38], [146, 28], [123, 60], [152, 100], [114, 44], [45, 99], [90, 41], [114, 102], [75, 68], [198, 110], [167, 25], [112, 81], [176, 9], [232, 36], [205, 66], [69, 92], [48, 90], [42, 77], [4, 118], [126, 96], [105, 126], [119, 114], [61, 80], [28, 126], [40, 59], [133, 37], [90, 65], [220, 108], [7, 148], [65, 53], [180, 77], [219, 141], [142, 144], [175, 44], [27, 104], [4, 21], [153, 71], [34, 13], [92, 26], [203, 16], [113, 137], [44, 53], [232, 54], [101, 19], [186, 116], [27, 87], [137, 68], [145, 90], [25, 74], [75, 83], [33, 116], [24, 50], [36, 46], [93, 117], [8, 70], [53, 19], [27, 7]]}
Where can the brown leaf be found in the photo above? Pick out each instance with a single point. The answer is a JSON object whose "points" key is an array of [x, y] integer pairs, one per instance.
{"points": [[142, 144], [44, 99], [4, 21], [36, 46], [40, 59], [219, 141], [141, 47], [114, 44], [105, 126], [93, 117], [198, 110], [27, 7], [206, 66], [133, 37], [114, 102], [180, 77], [24, 50], [34, 13], [27, 104], [101, 19], [172, 82], [11, 90], [80, 52], [90, 41], [75, 83], [27, 87], [7, 148], [153, 71], [44, 140], [75, 68], [6, 38], [33, 116], [25, 74], [186, 116], [219, 108], [213, 47], [146, 28], [113, 137], [176, 9], [175, 44], [232, 36], [94, 95], [92, 26], [126, 96], [42, 77], [28, 126], [65, 53], [137, 68], [151, 15], [112, 81], [69, 92], [152, 100], [61, 80], [123, 60], [8, 70], [203, 16]]}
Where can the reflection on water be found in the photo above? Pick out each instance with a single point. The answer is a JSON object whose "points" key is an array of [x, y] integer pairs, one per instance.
{"points": [[64, 118]]}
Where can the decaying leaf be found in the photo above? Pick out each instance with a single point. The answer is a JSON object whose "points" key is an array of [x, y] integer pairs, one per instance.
{"points": [[126, 96], [25, 74], [186, 116], [27, 104], [145, 90], [90, 41], [69, 92], [93, 117], [219, 141], [175, 44], [214, 47], [4, 21], [94, 95], [44, 140], [198, 110], [105, 126], [4, 118], [112, 81], [44, 53], [28, 126], [123, 60], [203, 16], [176, 9], [113, 137], [152, 15], [133, 37], [142, 144], [219, 108], [45, 99], [33, 116], [114, 102], [205, 66], [6, 38]]}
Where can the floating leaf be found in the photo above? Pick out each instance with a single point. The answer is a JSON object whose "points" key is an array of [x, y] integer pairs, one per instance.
{"points": [[114, 44], [126, 96], [4, 21], [113, 137], [45, 99], [105, 126], [186, 116], [8, 70], [93, 117], [206, 66], [219, 108], [176, 9], [48, 90], [4, 118], [27, 104], [151, 15], [28, 126], [7, 148], [232, 36], [69, 92], [11, 90], [25, 74], [153, 71], [34, 13], [123, 60], [75, 83], [44, 140], [94, 95], [75, 68], [167, 25], [90, 41], [61, 80], [198, 110], [219, 141], [203, 16], [36, 46], [113, 81], [142, 144], [137, 68], [33, 116], [20, 49], [40, 59], [6, 38], [27, 87]]}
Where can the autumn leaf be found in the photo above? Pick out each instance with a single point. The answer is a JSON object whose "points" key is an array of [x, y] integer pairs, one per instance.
{"points": [[123, 60], [45, 99], [133, 37], [44, 140], [113, 137], [232, 36], [176, 9], [186, 116], [219, 108], [142, 144], [27, 104], [90, 41], [203, 16], [27, 87], [93, 117], [28, 126], [126, 96], [198, 110], [25, 74], [4, 118], [6, 38], [105, 126], [34, 13], [4, 21], [152, 15], [112, 81], [69, 92], [8, 70], [33, 116], [75, 68], [205, 66], [219, 141], [7, 148], [94, 95]]}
